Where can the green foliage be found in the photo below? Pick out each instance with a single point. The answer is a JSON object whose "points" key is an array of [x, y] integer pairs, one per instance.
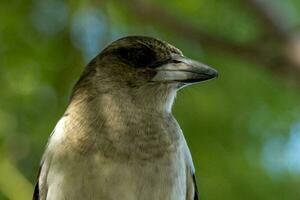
{"points": [[230, 123]]}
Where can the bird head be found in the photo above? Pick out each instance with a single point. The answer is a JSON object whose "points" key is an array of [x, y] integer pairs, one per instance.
{"points": [[143, 68]]}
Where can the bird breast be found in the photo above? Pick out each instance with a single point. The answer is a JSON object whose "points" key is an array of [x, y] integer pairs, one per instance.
{"points": [[147, 162]]}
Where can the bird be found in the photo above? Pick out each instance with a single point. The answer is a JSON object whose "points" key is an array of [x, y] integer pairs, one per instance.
{"points": [[118, 138]]}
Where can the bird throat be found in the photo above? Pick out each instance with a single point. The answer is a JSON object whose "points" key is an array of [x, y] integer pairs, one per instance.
{"points": [[124, 127]]}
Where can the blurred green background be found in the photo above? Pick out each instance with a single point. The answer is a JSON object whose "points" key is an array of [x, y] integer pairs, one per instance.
{"points": [[243, 128]]}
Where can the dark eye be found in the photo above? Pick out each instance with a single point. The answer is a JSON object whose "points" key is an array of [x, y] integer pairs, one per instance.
{"points": [[138, 57], [176, 61]]}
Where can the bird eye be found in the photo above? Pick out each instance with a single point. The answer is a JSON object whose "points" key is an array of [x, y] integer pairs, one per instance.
{"points": [[138, 57], [176, 61]]}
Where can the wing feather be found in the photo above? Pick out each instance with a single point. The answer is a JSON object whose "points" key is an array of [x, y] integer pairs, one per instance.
{"points": [[36, 193], [196, 194]]}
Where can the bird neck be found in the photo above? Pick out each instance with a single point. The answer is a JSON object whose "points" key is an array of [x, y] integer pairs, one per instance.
{"points": [[115, 118], [157, 98]]}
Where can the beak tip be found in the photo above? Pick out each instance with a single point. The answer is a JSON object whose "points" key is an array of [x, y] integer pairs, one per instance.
{"points": [[213, 73]]}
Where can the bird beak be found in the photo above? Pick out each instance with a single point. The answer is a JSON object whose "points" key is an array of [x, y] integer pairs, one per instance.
{"points": [[184, 70]]}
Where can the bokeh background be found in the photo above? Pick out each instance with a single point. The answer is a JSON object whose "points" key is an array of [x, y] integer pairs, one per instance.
{"points": [[243, 128]]}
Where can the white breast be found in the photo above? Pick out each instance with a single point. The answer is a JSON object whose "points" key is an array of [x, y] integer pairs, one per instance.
{"points": [[71, 175], [95, 177]]}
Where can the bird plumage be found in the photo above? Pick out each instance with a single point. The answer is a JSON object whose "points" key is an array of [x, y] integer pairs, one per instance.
{"points": [[118, 138]]}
